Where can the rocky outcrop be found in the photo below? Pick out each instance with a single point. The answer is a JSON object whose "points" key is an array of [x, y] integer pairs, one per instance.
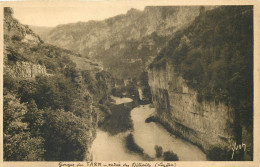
{"points": [[26, 70], [17, 31], [207, 123]]}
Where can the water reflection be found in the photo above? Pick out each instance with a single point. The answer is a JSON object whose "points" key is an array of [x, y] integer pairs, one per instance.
{"points": [[121, 100], [112, 148], [146, 135]]}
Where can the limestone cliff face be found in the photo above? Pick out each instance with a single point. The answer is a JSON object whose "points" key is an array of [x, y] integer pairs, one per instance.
{"points": [[204, 123], [26, 70]]}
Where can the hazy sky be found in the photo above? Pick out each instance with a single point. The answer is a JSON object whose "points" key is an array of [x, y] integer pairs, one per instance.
{"points": [[52, 16]]}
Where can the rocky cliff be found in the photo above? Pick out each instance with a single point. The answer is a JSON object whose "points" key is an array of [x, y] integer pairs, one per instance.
{"points": [[26, 70], [202, 82], [18, 31], [205, 123]]}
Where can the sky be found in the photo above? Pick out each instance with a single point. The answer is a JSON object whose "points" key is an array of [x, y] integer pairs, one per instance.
{"points": [[50, 13], [50, 16]]}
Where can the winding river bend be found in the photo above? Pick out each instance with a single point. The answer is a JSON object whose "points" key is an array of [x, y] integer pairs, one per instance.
{"points": [[146, 135]]}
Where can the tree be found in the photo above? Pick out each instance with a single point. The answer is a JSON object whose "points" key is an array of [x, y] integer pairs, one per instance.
{"points": [[18, 141], [67, 136], [35, 119], [158, 150], [170, 156]]}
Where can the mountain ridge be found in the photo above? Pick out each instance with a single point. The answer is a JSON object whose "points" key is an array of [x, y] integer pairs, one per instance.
{"points": [[114, 37]]}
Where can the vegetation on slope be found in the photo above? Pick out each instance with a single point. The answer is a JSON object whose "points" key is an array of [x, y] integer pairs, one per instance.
{"points": [[215, 57], [119, 120], [126, 42], [49, 117]]}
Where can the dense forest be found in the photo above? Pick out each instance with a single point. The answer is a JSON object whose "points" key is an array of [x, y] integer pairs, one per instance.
{"points": [[49, 116]]}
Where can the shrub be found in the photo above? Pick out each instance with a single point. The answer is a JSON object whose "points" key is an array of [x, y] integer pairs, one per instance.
{"points": [[105, 109], [170, 156], [17, 37], [10, 83], [158, 150], [219, 154]]}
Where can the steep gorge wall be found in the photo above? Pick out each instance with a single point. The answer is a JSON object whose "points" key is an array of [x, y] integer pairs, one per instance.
{"points": [[202, 82], [205, 123]]}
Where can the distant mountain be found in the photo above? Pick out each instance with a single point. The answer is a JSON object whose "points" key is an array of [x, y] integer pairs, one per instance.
{"points": [[126, 42], [41, 31]]}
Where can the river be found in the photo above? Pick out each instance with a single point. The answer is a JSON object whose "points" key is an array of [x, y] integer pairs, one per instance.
{"points": [[112, 148]]}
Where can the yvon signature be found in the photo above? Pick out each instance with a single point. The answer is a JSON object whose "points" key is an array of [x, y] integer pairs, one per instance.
{"points": [[238, 147]]}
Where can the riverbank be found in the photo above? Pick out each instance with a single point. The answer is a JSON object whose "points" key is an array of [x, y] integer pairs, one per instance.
{"points": [[149, 135], [166, 126], [124, 135], [215, 154]]}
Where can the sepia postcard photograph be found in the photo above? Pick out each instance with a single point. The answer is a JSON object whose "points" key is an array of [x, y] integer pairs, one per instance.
{"points": [[129, 83]]}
